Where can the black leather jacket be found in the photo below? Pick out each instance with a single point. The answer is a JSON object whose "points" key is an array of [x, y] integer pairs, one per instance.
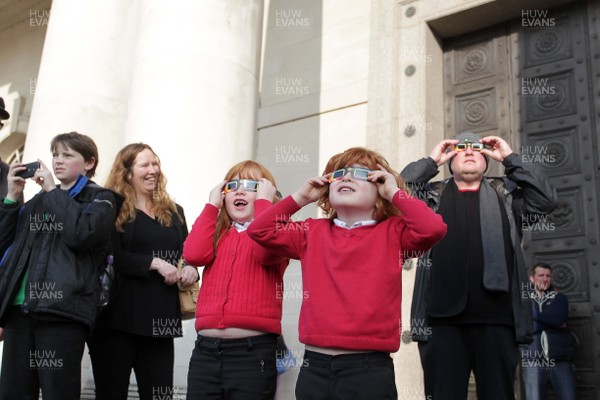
{"points": [[523, 192], [60, 242]]}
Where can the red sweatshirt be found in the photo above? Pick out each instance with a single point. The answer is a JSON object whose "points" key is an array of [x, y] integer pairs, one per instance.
{"points": [[242, 284], [352, 277]]}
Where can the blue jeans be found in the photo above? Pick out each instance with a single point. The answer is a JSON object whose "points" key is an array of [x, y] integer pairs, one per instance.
{"points": [[538, 374]]}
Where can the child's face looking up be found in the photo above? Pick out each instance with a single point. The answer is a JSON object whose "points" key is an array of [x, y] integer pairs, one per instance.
{"points": [[351, 194], [239, 204]]}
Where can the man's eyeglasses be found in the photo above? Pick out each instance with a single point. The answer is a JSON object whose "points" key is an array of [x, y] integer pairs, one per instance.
{"points": [[473, 145], [248, 185], [361, 174]]}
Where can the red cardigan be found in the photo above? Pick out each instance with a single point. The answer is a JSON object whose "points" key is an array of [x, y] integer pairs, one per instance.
{"points": [[352, 277], [241, 284]]}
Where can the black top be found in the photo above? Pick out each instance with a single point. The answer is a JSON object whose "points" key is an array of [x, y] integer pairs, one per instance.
{"points": [[142, 303], [483, 306]]}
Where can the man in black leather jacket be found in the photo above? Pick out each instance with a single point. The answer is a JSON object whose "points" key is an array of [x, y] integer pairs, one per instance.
{"points": [[467, 299]]}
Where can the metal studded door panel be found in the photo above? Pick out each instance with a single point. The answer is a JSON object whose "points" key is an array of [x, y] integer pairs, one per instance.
{"points": [[534, 86], [558, 136], [477, 75]]}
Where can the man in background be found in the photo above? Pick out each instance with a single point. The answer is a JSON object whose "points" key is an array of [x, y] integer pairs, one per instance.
{"points": [[548, 359]]}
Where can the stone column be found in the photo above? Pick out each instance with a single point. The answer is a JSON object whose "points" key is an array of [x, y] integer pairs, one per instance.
{"points": [[194, 99], [194, 90], [83, 83]]}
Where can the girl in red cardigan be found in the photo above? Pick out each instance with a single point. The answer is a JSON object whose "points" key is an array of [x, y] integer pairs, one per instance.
{"points": [[238, 317], [351, 271]]}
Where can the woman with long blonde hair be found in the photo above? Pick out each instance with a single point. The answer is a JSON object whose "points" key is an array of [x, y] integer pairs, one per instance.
{"points": [[238, 317], [137, 329]]}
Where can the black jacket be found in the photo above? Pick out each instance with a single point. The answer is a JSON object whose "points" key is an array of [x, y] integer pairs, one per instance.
{"points": [[61, 242], [522, 193]]}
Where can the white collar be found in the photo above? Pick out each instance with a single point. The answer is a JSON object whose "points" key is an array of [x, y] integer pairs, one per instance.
{"points": [[357, 224], [240, 227]]}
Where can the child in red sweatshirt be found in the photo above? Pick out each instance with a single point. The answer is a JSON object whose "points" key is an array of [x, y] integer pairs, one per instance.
{"points": [[351, 271], [238, 317]]}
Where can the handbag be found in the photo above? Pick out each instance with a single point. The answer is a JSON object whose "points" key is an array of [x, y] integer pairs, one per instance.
{"points": [[558, 344], [188, 296], [107, 277]]}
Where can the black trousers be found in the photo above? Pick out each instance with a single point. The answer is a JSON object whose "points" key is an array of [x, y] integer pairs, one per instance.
{"points": [[452, 351], [363, 376], [114, 354], [233, 369], [41, 354]]}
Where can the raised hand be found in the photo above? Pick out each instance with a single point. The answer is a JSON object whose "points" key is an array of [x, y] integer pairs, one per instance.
{"points": [[440, 155], [43, 177], [16, 184], [500, 148], [216, 195], [387, 186], [265, 190], [311, 190]]}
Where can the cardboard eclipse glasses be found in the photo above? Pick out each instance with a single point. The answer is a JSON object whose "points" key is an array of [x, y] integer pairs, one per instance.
{"points": [[361, 174], [249, 185], [475, 146]]}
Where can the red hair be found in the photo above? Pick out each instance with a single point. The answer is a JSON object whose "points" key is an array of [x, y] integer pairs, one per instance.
{"points": [[244, 170], [369, 159]]}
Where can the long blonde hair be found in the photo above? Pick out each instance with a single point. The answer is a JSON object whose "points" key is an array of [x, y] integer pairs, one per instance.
{"points": [[244, 170], [118, 180], [368, 158]]}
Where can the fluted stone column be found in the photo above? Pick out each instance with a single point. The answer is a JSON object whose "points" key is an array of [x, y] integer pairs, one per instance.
{"points": [[83, 84], [194, 99], [194, 90], [84, 78]]}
